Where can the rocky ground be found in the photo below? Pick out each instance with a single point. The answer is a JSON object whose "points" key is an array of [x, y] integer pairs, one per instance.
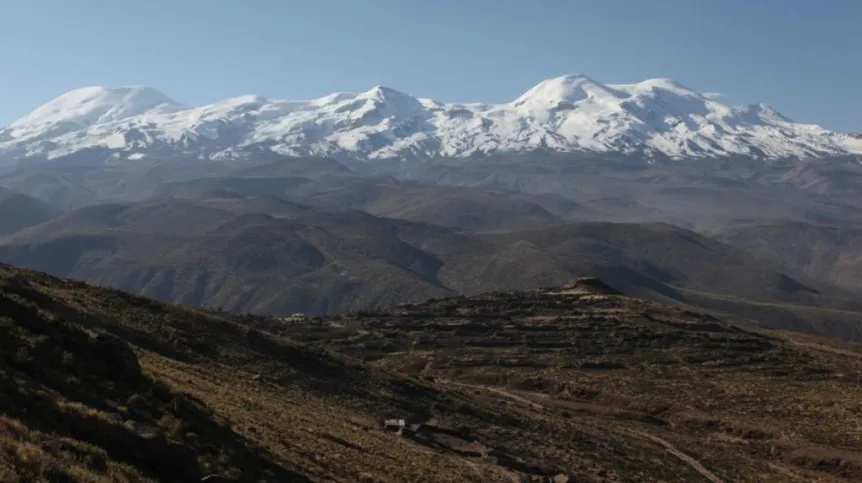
{"points": [[577, 383]]}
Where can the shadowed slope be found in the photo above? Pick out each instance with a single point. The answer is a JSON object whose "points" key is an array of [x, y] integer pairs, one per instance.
{"points": [[576, 383], [831, 254], [19, 211], [271, 255]]}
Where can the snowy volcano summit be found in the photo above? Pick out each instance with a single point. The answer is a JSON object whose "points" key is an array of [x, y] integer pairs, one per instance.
{"points": [[573, 113]]}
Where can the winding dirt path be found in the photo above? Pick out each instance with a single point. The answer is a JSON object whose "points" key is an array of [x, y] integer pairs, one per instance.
{"points": [[821, 347], [693, 463]]}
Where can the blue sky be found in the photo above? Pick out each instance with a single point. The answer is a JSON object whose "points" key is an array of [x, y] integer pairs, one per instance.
{"points": [[802, 57]]}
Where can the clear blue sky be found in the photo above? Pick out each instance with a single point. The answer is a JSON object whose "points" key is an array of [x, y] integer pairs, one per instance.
{"points": [[804, 57]]}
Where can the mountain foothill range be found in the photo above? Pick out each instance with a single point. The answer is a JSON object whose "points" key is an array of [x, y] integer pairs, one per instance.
{"points": [[589, 283]]}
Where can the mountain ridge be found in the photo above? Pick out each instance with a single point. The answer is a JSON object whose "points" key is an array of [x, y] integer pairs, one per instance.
{"points": [[272, 255], [21, 211], [572, 113]]}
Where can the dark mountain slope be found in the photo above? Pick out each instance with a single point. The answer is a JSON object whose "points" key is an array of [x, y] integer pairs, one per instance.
{"points": [[464, 208], [75, 183], [230, 187], [839, 178], [702, 196], [19, 211], [665, 254], [227, 254], [275, 256], [658, 262], [571, 384], [104, 386], [831, 254]]}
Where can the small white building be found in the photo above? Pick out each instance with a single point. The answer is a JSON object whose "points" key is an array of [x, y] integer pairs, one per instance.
{"points": [[394, 424]]}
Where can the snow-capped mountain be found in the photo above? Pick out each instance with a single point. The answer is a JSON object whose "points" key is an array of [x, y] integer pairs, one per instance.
{"points": [[564, 114], [90, 106]]}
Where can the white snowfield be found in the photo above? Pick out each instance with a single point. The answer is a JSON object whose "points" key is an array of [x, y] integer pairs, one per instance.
{"points": [[564, 114]]}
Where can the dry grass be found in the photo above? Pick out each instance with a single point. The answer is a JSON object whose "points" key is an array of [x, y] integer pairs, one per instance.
{"points": [[498, 388]]}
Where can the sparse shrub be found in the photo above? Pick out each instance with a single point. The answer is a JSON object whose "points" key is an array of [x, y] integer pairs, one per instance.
{"points": [[173, 427]]}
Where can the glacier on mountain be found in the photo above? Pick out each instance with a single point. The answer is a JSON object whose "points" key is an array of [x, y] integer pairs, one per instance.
{"points": [[571, 113]]}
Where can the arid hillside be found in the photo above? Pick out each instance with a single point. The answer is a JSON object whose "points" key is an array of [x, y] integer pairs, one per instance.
{"points": [[828, 253], [19, 211], [578, 383], [271, 255]]}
